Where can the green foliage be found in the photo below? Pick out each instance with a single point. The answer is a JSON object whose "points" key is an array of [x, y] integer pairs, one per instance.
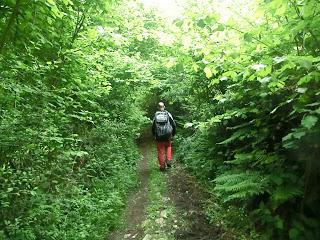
{"points": [[241, 76], [250, 100], [69, 119], [241, 185]]}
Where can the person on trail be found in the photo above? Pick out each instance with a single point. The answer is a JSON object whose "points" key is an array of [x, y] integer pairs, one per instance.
{"points": [[163, 130]]}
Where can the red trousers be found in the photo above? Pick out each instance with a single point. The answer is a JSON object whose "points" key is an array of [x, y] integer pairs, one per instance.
{"points": [[164, 148]]}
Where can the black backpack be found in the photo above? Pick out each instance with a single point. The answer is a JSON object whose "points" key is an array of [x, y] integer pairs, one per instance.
{"points": [[163, 126]]}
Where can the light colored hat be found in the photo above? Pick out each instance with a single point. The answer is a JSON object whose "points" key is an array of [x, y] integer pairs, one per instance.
{"points": [[161, 105]]}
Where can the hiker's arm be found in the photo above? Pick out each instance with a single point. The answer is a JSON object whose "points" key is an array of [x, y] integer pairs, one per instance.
{"points": [[173, 124]]}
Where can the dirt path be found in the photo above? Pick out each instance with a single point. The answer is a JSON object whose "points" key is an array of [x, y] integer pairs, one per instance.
{"points": [[181, 215], [135, 212], [189, 199]]}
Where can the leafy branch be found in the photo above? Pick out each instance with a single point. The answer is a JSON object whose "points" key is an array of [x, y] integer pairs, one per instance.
{"points": [[8, 25]]}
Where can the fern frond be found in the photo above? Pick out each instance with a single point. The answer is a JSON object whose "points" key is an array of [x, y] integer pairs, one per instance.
{"points": [[239, 186], [256, 158], [285, 193]]}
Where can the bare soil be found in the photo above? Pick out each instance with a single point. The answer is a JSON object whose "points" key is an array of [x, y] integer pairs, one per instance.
{"points": [[189, 199], [185, 194]]}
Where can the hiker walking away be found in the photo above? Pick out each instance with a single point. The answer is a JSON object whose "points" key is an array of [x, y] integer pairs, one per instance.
{"points": [[163, 129]]}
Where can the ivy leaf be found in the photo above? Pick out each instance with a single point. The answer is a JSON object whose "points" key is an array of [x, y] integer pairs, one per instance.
{"points": [[309, 121]]}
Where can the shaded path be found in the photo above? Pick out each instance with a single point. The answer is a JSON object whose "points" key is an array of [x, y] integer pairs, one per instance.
{"points": [[189, 199], [134, 213], [188, 222]]}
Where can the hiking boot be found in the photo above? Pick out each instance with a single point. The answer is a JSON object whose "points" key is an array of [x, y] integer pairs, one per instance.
{"points": [[168, 164], [162, 168]]}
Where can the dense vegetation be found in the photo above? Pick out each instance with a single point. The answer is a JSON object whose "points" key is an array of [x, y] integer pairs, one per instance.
{"points": [[68, 120], [241, 77], [253, 114]]}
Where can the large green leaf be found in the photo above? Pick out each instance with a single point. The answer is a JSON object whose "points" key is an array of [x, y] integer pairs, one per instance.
{"points": [[208, 72], [309, 121]]}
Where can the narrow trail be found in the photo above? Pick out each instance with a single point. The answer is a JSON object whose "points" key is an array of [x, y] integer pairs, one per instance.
{"points": [[166, 206], [134, 213], [189, 200]]}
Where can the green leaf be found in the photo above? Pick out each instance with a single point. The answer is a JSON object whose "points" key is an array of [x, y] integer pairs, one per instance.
{"points": [[49, 20], [298, 135], [231, 74], [170, 63], [188, 125], [67, 2], [277, 180], [51, 2], [220, 27], [309, 121], [301, 90], [56, 12], [201, 23], [308, 78], [287, 137], [208, 72], [247, 37], [281, 10], [305, 63], [294, 233], [279, 222]]}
